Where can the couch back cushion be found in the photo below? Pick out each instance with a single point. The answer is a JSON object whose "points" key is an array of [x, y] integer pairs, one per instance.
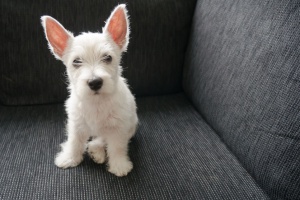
{"points": [[242, 71], [29, 74]]}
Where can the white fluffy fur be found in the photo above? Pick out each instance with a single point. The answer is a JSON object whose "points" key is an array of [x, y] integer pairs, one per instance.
{"points": [[109, 116]]}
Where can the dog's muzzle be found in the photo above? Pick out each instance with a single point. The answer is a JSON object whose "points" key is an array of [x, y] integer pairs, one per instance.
{"points": [[95, 83]]}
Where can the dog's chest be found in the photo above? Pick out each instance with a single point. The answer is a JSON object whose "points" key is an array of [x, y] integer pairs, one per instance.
{"points": [[99, 116]]}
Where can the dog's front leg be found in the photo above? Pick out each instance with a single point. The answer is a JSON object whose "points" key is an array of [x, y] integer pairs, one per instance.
{"points": [[117, 149], [72, 150]]}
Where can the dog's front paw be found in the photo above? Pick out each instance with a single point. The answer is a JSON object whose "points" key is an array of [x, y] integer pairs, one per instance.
{"points": [[65, 160], [96, 152], [120, 167]]}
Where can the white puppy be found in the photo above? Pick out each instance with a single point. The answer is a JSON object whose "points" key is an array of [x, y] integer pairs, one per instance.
{"points": [[100, 104]]}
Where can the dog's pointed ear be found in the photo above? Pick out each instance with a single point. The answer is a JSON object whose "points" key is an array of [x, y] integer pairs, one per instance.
{"points": [[56, 35], [117, 26]]}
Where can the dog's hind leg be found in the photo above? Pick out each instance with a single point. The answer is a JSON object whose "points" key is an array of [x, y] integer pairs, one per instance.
{"points": [[96, 150]]}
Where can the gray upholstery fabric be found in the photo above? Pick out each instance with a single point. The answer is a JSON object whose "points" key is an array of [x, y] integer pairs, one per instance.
{"points": [[29, 74], [176, 155], [242, 73]]}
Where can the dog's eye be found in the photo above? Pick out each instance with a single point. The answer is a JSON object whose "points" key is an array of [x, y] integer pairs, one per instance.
{"points": [[107, 59], [77, 62]]}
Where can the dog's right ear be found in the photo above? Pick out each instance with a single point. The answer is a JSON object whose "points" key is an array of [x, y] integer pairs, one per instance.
{"points": [[56, 35]]}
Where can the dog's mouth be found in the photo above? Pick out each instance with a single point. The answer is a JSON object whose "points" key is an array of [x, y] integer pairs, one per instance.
{"points": [[96, 93]]}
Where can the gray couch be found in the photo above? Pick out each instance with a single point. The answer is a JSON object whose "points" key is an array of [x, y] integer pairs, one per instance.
{"points": [[218, 93]]}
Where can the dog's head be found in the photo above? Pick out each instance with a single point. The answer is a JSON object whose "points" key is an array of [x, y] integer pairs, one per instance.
{"points": [[92, 59]]}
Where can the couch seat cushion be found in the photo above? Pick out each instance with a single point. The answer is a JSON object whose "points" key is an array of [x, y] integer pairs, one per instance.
{"points": [[176, 155]]}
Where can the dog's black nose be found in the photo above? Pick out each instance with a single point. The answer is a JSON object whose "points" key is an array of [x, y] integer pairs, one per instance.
{"points": [[95, 83]]}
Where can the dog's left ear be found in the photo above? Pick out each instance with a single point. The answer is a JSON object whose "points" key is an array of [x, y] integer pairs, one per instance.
{"points": [[117, 26]]}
